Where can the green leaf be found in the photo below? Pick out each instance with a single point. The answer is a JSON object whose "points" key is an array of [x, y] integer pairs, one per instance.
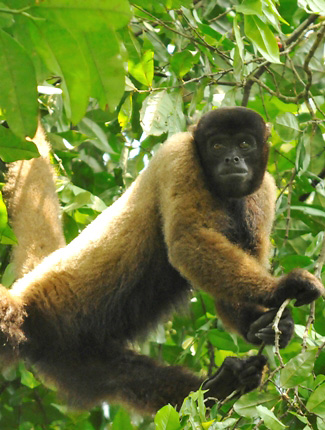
{"points": [[262, 38], [182, 62], [316, 6], [225, 424], [13, 148], [287, 126], [6, 19], [3, 215], [82, 199], [303, 155], [309, 210], [209, 31], [27, 378], [162, 113], [247, 405], [167, 419], [222, 340], [106, 67], [18, 87], [250, 7], [96, 134], [142, 69], [85, 15], [155, 112], [63, 57], [122, 421], [9, 274], [239, 40], [270, 419], [298, 369], [316, 401], [8, 236]]}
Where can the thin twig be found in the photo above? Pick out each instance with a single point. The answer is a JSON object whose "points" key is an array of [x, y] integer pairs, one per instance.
{"points": [[277, 332]]}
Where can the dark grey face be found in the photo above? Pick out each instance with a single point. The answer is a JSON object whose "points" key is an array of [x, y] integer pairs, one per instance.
{"points": [[232, 149]]}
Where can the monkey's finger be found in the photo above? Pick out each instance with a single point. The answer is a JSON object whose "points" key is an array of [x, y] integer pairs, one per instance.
{"points": [[266, 336], [306, 298]]}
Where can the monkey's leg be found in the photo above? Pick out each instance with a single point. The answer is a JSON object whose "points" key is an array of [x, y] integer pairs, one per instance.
{"points": [[121, 376]]}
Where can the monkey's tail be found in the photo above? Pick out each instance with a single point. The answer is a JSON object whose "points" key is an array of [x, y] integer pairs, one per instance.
{"points": [[33, 208]]}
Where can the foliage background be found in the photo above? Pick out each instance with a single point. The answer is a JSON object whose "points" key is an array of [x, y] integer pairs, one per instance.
{"points": [[112, 81]]}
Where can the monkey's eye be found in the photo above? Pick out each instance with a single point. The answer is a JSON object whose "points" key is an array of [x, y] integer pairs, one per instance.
{"points": [[217, 146], [245, 145]]}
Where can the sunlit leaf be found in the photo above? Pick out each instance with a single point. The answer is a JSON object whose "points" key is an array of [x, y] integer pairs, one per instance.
{"points": [[28, 379], [106, 67], [18, 87], [250, 7], [167, 419], [316, 6], [262, 37], [155, 112], [62, 55], [122, 421], [142, 70], [85, 15]]}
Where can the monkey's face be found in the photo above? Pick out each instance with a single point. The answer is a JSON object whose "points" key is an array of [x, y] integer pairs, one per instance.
{"points": [[232, 149]]}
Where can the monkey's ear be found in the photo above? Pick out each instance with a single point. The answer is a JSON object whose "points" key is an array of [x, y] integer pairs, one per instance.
{"points": [[268, 130]]}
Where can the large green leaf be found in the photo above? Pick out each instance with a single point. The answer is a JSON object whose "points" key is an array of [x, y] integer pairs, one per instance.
{"points": [[85, 15], [287, 126], [62, 55], [262, 37], [298, 369], [246, 406], [316, 401], [105, 63], [315, 6], [14, 148], [18, 93], [270, 419]]}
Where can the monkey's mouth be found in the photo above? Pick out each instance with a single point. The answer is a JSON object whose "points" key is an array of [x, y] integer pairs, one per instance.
{"points": [[240, 174]]}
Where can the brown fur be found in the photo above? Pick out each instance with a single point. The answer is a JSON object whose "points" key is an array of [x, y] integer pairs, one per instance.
{"points": [[83, 303], [33, 208]]}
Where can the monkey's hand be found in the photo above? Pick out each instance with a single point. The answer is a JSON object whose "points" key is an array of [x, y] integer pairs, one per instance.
{"points": [[261, 329], [235, 374], [298, 284]]}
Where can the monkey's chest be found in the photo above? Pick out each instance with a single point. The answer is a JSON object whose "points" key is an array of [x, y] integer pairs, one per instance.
{"points": [[242, 230]]}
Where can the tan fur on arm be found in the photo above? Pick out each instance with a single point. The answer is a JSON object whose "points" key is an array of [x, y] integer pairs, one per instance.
{"points": [[33, 208], [194, 229]]}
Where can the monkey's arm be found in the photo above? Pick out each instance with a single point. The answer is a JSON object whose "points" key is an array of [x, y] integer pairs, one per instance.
{"points": [[198, 248], [210, 261]]}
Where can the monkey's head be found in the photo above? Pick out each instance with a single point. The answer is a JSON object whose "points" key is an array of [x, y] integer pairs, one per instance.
{"points": [[233, 150]]}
